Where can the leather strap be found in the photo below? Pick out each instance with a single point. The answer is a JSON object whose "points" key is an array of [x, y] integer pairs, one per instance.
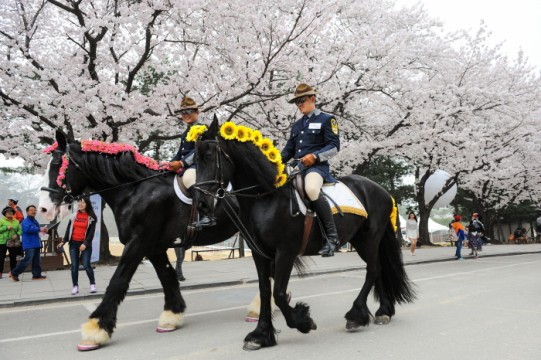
{"points": [[308, 221]]}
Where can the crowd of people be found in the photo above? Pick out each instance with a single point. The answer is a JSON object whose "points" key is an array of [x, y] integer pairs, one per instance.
{"points": [[20, 240]]}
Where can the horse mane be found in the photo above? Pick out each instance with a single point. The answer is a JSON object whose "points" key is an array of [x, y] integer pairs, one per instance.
{"points": [[110, 164], [252, 164]]}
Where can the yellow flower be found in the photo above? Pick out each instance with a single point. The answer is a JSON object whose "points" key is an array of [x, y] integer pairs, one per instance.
{"points": [[256, 137], [280, 180], [228, 130], [274, 155], [243, 133], [265, 145], [195, 132], [281, 167]]}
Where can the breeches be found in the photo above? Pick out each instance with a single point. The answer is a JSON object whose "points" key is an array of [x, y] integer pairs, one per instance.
{"points": [[312, 185], [188, 178]]}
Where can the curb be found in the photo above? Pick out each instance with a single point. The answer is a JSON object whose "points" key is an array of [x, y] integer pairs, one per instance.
{"points": [[154, 290]]}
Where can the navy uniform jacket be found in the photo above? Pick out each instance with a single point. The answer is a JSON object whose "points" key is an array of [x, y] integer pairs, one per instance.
{"points": [[318, 136], [186, 150]]}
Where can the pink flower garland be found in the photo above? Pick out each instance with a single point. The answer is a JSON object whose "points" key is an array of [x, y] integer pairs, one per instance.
{"points": [[114, 149], [62, 172], [106, 148], [51, 148]]}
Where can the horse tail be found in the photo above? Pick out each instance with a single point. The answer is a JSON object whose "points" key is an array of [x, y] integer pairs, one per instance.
{"points": [[300, 266], [396, 284]]}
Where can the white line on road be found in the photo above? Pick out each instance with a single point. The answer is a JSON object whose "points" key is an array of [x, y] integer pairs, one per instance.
{"points": [[135, 323]]}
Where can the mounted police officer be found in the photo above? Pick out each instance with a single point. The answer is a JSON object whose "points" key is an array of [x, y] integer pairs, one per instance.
{"points": [[313, 141], [184, 159]]}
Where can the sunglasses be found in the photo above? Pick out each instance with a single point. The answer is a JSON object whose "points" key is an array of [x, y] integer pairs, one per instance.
{"points": [[187, 111], [301, 100]]}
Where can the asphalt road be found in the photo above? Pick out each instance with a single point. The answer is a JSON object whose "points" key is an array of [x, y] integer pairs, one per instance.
{"points": [[476, 309]]}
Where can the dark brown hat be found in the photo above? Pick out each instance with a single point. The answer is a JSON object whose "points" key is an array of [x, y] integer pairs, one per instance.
{"points": [[188, 103], [302, 90]]}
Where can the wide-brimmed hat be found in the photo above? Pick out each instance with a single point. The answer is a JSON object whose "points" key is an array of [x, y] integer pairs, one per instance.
{"points": [[8, 209], [188, 103], [302, 90]]}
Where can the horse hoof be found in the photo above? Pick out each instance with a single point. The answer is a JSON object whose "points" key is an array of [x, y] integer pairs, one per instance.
{"points": [[352, 325], [161, 329], [251, 346], [87, 347], [313, 326], [383, 319], [249, 318]]}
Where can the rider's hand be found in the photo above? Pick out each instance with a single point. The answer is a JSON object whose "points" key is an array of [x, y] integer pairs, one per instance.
{"points": [[175, 165], [308, 160]]}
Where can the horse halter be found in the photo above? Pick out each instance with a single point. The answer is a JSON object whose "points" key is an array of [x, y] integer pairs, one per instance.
{"points": [[221, 192], [64, 186]]}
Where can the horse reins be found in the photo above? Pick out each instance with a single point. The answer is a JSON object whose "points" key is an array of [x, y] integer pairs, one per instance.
{"points": [[223, 193]]}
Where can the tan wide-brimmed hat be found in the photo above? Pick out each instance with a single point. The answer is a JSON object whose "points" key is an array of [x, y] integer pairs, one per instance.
{"points": [[302, 90], [188, 103]]}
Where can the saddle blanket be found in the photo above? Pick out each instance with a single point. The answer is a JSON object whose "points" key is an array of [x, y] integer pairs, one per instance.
{"points": [[342, 195], [182, 193]]}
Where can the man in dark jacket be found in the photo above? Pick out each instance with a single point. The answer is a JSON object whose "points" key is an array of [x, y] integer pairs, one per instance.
{"points": [[31, 243], [184, 159], [313, 141]]}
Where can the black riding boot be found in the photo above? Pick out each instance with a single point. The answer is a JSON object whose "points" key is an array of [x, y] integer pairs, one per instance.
{"points": [[203, 221], [323, 211]]}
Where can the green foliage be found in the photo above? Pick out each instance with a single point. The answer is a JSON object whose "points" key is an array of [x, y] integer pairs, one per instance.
{"points": [[389, 173]]}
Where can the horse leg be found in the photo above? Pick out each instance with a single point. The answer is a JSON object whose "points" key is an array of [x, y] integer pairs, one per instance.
{"points": [[359, 314], [264, 333], [100, 326], [253, 307], [173, 309], [299, 316], [386, 307]]}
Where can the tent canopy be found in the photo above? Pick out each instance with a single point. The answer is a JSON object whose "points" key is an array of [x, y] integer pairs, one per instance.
{"points": [[432, 225]]}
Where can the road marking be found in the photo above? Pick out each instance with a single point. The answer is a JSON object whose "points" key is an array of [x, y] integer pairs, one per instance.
{"points": [[201, 313]]}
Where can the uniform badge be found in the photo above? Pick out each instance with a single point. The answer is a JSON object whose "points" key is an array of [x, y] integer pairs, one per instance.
{"points": [[334, 126]]}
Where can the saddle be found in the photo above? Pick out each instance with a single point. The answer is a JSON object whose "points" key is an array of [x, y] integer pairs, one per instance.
{"points": [[340, 198]]}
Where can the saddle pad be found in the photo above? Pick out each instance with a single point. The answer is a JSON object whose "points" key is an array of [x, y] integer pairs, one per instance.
{"points": [[342, 195], [182, 196]]}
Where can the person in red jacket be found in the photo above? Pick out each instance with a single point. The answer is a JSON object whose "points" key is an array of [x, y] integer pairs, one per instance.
{"points": [[18, 211], [79, 234]]}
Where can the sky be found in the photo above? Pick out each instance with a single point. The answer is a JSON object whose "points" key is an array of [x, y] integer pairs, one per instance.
{"points": [[517, 23]]}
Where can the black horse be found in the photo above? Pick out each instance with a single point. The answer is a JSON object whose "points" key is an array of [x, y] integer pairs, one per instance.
{"points": [[265, 212], [149, 216]]}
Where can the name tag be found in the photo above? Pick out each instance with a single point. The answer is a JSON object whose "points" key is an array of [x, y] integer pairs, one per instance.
{"points": [[314, 126]]}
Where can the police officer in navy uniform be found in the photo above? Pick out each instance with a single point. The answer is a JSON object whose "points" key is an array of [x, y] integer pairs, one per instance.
{"points": [[184, 159], [313, 141]]}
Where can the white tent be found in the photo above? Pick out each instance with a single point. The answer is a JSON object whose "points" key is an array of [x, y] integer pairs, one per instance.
{"points": [[432, 225]]}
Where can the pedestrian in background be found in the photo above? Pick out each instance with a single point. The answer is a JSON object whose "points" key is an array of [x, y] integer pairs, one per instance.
{"points": [[79, 234], [31, 243], [18, 211], [10, 233], [461, 235], [412, 231], [475, 233]]}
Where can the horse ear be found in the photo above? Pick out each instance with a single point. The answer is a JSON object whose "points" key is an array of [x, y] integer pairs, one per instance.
{"points": [[61, 140], [212, 132]]}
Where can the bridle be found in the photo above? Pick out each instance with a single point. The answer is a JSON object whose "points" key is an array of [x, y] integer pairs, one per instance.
{"points": [[223, 193]]}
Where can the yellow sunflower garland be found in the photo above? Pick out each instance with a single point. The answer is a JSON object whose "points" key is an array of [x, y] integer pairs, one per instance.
{"points": [[228, 130], [243, 133], [195, 132], [231, 131], [265, 145]]}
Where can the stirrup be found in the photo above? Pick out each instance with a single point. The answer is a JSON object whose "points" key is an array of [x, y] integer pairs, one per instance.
{"points": [[206, 221]]}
